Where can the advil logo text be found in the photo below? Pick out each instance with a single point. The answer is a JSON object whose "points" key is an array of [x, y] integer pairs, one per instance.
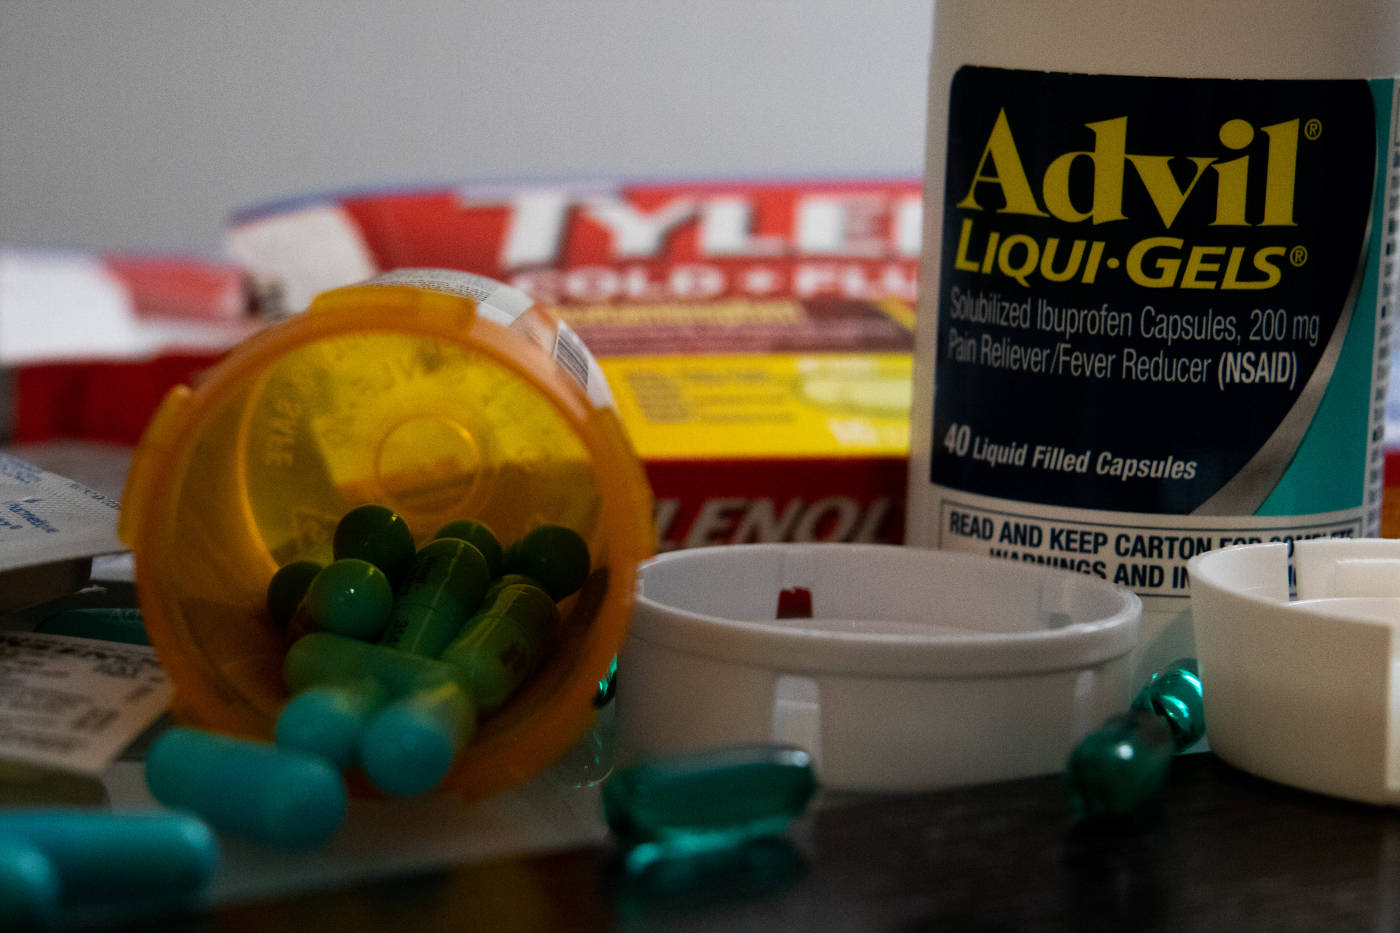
{"points": [[1001, 165]]}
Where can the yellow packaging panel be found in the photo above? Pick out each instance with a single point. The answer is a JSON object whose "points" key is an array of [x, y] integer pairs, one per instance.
{"points": [[764, 405]]}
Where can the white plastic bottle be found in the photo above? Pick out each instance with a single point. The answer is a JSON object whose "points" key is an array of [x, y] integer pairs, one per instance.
{"points": [[1155, 292]]}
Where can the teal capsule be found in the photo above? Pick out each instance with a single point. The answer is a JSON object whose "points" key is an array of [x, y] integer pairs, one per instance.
{"points": [[378, 535], [410, 746], [503, 644], [439, 593], [707, 801], [329, 720], [274, 795], [479, 536], [351, 597], [323, 658], [1174, 694], [510, 579], [101, 856], [287, 589], [1119, 768], [29, 887], [127, 626], [554, 555]]}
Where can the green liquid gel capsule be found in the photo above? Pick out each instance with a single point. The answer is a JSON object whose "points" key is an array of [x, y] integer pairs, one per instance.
{"points": [[29, 887], [707, 801], [607, 687], [1119, 768], [555, 556], [503, 644], [126, 626], [479, 536], [1174, 694], [351, 597], [442, 589], [510, 579], [410, 746], [331, 719], [101, 856], [378, 535], [323, 658], [274, 795], [288, 588]]}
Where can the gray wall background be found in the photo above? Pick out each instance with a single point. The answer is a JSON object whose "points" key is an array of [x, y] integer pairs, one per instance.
{"points": [[140, 124]]}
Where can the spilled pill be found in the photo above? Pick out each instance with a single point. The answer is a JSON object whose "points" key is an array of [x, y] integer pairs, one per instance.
{"points": [[99, 855], [277, 796]]}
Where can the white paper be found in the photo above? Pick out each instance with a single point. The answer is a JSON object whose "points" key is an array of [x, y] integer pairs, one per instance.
{"points": [[45, 517], [75, 703]]}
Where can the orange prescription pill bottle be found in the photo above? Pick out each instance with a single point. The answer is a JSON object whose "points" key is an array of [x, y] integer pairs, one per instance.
{"points": [[438, 394]]}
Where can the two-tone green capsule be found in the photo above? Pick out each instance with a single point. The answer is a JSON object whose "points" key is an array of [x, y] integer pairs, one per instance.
{"points": [[288, 588], [555, 556], [378, 536], [478, 535], [409, 715], [351, 597], [330, 719], [439, 593], [501, 645], [411, 745]]}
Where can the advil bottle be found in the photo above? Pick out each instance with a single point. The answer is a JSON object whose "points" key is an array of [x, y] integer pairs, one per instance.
{"points": [[1158, 273]]}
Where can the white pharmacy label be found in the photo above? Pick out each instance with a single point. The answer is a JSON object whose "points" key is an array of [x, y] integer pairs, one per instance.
{"points": [[74, 703]]}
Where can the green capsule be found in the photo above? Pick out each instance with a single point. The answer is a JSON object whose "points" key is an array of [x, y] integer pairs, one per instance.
{"points": [[607, 686], [330, 719], [126, 626], [301, 624], [1174, 694], [410, 746], [288, 588], [708, 800], [502, 644], [1120, 767], [378, 535], [510, 579], [554, 555], [351, 597], [323, 658], [440, 592], [479, 536]]}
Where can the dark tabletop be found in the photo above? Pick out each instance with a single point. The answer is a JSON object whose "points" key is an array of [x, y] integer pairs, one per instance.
{"points": [[1226, 852]]}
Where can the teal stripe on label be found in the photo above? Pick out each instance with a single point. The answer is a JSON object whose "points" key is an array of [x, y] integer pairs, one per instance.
{"points": [[1328, 472]]}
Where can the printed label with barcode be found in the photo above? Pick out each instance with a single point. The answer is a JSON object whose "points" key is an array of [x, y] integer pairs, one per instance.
{"points": [[569, 353], [75, 703]]}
